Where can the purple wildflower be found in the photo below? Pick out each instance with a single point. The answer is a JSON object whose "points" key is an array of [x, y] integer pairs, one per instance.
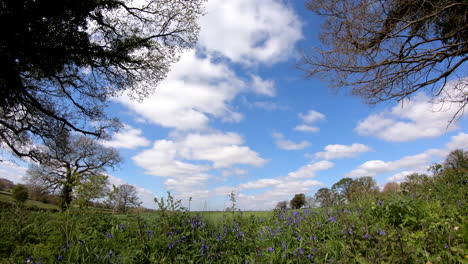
{"points": [[110, 253], [108, 235], [350, 231], [283, 245], [121, 227], [446, 246], [382, 232], [310, 256], [366, 236], [312, 237], [60, 258], [203, 248], [332, 219], [380, 203], [82, 242], [270, 249]]}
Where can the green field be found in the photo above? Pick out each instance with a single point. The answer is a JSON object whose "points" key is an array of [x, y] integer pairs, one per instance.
{"points": [[6, 197]]}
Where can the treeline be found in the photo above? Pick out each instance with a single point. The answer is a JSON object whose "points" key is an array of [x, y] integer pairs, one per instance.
{"points": [[118, 198], [444, 179]]}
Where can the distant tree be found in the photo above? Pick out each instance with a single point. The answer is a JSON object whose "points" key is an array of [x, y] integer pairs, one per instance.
{"points": [[20, 193], [69, 161], [282, 205], [391, 187], [385, 50], [62, 61], [123, 197], [415, 182], [311, 202], [342, 189], [363, 186], [298, 201], [325, 197], [457, 159], [6, 184]]}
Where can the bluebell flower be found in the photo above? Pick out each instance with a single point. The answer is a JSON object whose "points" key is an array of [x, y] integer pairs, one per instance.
{"points": [[60, 258], [459, 202], [380, 203], [332, 219], [270, 249], [203, 248], [310, 256], [283, 245], [82, 242], [109, 235], [121, 227], [150, 233], [312, 237], [446, 246], [382, 232], [366, 236], [110, 253], [350, 231]]}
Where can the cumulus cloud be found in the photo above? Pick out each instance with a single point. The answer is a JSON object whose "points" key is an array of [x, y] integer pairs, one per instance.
{"points": [[308, 118], [307, 128], [286, 144], [415, 118], [311, 116], [12, 171], [308, 171], [129, 138], [263, 87], [337, 151], [186, 160], [250, 32], [414, 163], [194, 90]]}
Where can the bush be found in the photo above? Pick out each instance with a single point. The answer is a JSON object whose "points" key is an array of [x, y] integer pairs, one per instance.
{"points": [[20, 193]]}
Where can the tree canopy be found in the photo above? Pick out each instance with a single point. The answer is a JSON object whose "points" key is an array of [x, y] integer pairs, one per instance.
{"points": [[70, 160], [298, 201], [61, 61], [387, 50]]}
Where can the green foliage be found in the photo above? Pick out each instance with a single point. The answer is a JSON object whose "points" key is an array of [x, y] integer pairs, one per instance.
{"points": [[89, 190], [298, 201], [20, 193], [427, 225]]}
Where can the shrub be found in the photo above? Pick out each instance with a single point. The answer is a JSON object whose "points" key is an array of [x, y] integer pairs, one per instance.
{"points": [[20, 193]]}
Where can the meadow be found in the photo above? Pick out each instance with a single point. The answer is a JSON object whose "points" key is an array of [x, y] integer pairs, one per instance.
{"points": [[426, 226]]}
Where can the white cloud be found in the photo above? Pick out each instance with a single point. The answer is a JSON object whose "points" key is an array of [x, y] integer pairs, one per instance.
{"points": [[419, 117], [337, 151], [264, 87], [129, 138], [414, 163], [250, 32], [307, 128], [259, 184], [308, 171], [186, 159], [286, 144], [12, 171], [311, 116]]}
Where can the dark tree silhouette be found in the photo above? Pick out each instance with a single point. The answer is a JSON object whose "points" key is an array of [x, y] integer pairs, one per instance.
{"points": [[61, 61]]}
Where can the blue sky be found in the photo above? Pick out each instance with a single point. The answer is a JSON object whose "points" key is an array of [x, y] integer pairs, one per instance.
{"points": [[235, 114]]}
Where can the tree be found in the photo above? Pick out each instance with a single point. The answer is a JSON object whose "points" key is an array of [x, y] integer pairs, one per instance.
{"points": [[298, 201], [95, 187], [69, 161], [61, 61], [324, 197], [282, 205], [122, 197], [20, 193], [457, 160], [363, 186], [342, 189], [311, 202], [391, 188], [388, 50]]}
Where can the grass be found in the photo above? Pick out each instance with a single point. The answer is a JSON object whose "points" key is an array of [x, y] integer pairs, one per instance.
{"points": [[6, 197]]}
